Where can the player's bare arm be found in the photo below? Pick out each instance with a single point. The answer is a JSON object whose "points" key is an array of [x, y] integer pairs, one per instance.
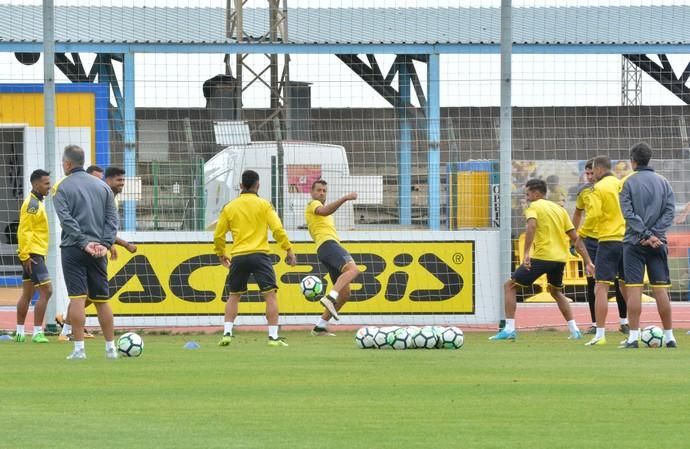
{"points": [[529, 239], [330, 208]]}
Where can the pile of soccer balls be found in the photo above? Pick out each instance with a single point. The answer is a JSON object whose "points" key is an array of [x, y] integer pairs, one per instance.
{"points": [[427, 337]]}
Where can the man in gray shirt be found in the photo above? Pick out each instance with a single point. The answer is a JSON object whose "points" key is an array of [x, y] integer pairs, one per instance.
{"points": [[86, 209], [648, 206]]}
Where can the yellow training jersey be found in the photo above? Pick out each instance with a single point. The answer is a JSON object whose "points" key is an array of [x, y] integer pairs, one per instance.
{"points": [[248, 218], [588, 227], [550, 241], [605, 210], [320, 228], [32, 234]]}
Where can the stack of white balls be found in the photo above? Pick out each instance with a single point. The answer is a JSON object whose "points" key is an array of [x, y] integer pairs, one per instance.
{"points": [[412, 337]]}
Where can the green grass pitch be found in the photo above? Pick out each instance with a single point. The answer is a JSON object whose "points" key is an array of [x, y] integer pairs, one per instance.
{"points": [[540, 392]]}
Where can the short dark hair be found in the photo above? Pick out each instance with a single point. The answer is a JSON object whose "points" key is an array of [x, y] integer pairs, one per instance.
{"points": [[94, 168], [36, 175], [552, 179], [602, 161], [318, 181], [641, 153], [536, 184], [112, 172], [249, 179], [74, 154], [589, 164]]}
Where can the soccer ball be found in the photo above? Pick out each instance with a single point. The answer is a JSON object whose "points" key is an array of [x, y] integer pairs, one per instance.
{"points": [[130, 345], [412, 330], [381, 337], [399, 339], [451, 338], [438, 330], [311, 287], [364, 338], [426, 338], [653, 337]]}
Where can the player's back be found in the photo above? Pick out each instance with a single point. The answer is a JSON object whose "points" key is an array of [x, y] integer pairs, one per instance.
{"points": [[552, 224], [248, 222], [606, 207]]}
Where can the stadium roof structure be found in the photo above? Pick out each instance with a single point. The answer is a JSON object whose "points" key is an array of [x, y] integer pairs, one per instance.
{"points": [[412, 34], [610, 29]]}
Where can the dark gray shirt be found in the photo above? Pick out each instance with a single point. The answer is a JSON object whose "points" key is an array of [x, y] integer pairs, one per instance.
{"points": [[648, 205], [86, 208]]}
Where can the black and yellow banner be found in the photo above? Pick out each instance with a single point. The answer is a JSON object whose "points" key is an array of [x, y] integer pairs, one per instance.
{"points": [[397, 278]]}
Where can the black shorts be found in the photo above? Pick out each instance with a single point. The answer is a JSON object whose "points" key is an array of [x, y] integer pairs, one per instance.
{"points": [[554, 273], [85, 276], [609, 262], [334, 257], [637, 257], [241, 267], [39, 271], [591, 245]]}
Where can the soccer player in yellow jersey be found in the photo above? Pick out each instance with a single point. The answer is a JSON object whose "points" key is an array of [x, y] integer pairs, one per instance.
{"points": [[605, 210], [332, 255], [248, 218], [588, 233], [32, 236], [547, 225]]}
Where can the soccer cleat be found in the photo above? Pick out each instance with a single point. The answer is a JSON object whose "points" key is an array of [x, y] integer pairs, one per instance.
{"points": [[60, 320], [596, 341], [624, 329], [88, 334], [226, 340], [77, 355], [577, 335], [591, 331], [276, 342], [329, 304], [111, 354], [629, 345], [503, 335], [321, 332], [671, 344], [65, 338], [19, 338], [39, 338]]}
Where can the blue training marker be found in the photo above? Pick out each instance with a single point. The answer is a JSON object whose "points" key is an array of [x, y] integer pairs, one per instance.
{"points": [[191, 345]]}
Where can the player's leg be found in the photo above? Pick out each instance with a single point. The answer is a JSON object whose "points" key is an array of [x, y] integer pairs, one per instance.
{"points": [[41, 279], [87, 333], [66, 332], [624, 323], [660, 281], [349, 273], [634, 261], [591, 246], [23, 308], [554, 277], [265, 277], [74, 263], [522, 278], [343, 271], [99, 295], [235, 286], [341, 275], [607, 267]]}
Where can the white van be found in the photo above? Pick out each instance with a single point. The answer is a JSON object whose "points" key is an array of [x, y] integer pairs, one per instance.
{"points": [[303, 163]]}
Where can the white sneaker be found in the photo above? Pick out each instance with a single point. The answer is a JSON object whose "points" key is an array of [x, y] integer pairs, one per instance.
{"points": [[111, 354], [77, 355]]}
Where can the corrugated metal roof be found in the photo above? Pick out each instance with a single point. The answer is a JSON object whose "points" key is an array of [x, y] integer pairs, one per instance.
{"points": [[553, 25]]}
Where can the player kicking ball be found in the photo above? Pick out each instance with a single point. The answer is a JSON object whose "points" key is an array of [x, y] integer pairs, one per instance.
{"points": [[547, 225], [338, 262]]}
